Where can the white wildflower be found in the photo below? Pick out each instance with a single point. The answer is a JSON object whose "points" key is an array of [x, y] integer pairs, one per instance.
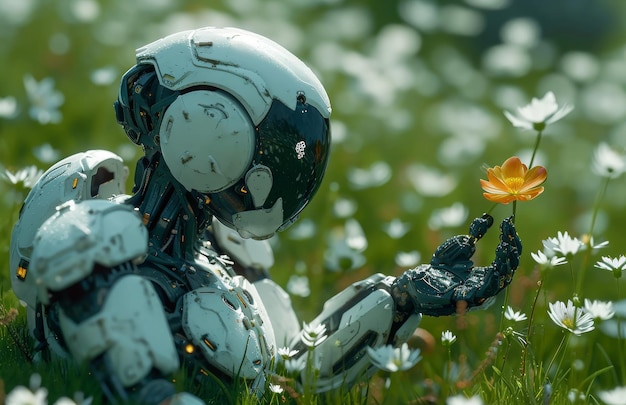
{"points": [[408, 259], [616, 396], [602, 310], [275, 388], [396, 228], [564, 244], [394, 359], [539, 113], [313, 335], [515, 316], [28, 176], [8, 107], [21, 395], [286, 353], [296, 365], [613, 264], [569, 317], [547, 262], [447, 338], [607, 162], [44, 100]]}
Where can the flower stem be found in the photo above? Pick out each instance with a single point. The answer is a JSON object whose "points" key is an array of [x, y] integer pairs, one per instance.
{"points": [[530, 325], [514, 209], [594, 216], [596, 205], [620, 341], [558, 349], [537, 141], [448, 374], [491, 208]]}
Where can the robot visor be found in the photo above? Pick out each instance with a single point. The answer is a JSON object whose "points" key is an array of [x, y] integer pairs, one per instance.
{"points": [[287, 168]]}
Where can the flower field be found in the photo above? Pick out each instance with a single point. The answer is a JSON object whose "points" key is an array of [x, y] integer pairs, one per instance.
{"points": [[442, 111]]}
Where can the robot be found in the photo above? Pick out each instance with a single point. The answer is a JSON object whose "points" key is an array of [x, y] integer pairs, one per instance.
{"points": [[236, 138]]}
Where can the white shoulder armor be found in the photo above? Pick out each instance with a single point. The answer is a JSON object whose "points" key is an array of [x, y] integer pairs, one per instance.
{"points": [[82, 176]]}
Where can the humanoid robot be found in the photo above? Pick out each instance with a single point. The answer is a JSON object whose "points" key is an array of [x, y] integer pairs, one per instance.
{"points": [[236, 136]]}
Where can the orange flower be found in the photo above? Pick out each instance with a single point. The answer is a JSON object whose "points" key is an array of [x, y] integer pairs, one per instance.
{"points": [[513, 182]]}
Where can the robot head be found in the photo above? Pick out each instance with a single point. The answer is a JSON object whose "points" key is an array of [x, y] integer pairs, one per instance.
{"points": [[237, 118]]}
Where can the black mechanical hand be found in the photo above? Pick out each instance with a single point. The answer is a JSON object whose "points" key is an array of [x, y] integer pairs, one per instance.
{"points": [[437, 288]]}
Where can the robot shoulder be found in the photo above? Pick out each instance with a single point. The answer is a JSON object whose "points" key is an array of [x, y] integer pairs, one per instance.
{"points": [[94, 174]]}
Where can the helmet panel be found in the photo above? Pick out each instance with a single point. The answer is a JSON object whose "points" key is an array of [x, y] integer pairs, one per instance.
{"points": [[295, 145], [207, 140]]}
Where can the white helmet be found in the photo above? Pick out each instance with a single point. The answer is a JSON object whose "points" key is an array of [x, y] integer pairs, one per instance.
{"points": [[81, 236], [82, 176], [236, 117]]}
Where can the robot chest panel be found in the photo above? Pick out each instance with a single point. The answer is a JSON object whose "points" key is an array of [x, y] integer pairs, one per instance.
{"points": [[209, 269], [221, 265]]}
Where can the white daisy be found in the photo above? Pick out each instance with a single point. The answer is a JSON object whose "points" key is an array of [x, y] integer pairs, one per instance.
{"points": [[547, 262], [600, 245], [515, 316], [295, 365], [564, 244], [616, 396], [447, 338], [44, 100], [21, 395], [8, 107], [393, 359], [607, 162], [275, 388], [28, 176], [599, 309], [408, 259], [614, 264], [313, 335], [286, 353], [539, 113], [569, 317]]}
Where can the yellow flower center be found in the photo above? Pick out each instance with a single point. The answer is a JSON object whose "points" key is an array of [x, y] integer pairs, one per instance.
{"points": [[569, 323], [514, 183]]}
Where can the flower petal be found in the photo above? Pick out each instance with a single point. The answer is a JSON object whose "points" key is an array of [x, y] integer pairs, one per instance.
{"points": [[518, 122], [499, 198], [513, 167]]}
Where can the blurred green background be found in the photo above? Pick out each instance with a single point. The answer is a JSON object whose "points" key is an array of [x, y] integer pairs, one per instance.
{"points": [[417, 88]]}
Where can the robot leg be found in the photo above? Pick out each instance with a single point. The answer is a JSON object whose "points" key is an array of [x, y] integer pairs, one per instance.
{"points": [[128, 341]]}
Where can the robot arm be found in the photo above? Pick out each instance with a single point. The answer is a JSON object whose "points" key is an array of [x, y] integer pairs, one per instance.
{"points": [[386, 310], [364, 315]]}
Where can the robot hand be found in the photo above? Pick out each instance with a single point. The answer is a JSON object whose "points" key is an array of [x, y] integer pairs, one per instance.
{"points": [[451, 279]]}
